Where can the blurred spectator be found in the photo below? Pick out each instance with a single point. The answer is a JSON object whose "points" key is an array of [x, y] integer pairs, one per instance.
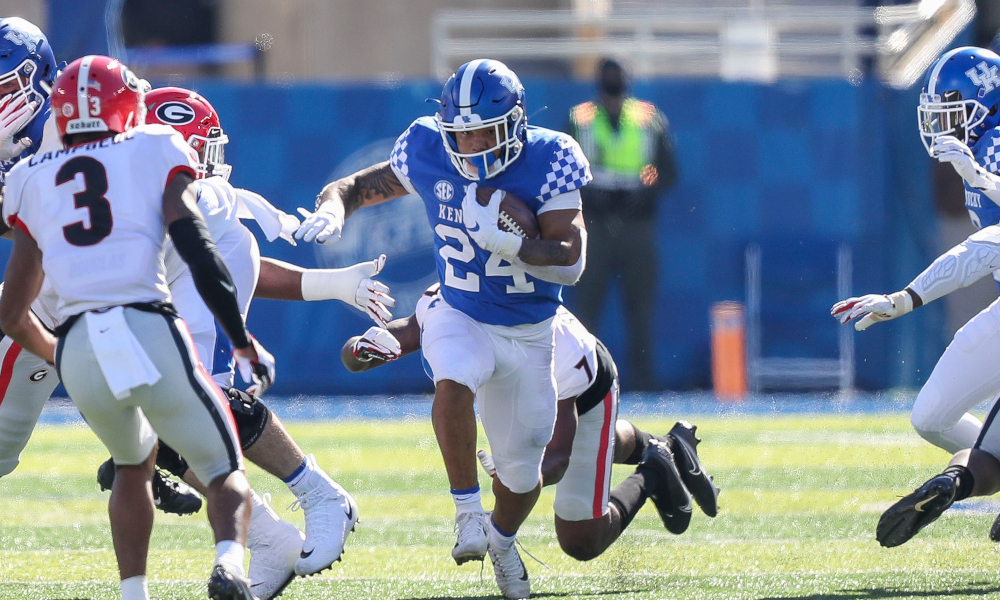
{"points": [[632, 160]]}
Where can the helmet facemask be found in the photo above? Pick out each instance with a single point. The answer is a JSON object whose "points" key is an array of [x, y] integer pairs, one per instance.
{"points": [[485, 164], [949, 114], [23, 76], [211, 154]]}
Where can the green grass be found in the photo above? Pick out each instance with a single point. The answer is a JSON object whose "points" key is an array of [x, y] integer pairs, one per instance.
{"points": [[801, 496]]}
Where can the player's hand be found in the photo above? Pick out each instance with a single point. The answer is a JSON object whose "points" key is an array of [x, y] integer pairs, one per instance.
{"points": [[256, 366], [372, 297], [481, 224], [872, 308], [949, 149], [487, 461], [324, 226], [377, 343], [14, 116], [289, 226]]}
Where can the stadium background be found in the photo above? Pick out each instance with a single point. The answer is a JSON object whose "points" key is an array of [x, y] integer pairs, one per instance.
{"points": [[798, 166]]}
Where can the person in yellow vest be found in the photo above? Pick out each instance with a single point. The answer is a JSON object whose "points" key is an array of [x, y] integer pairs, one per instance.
{"points": [[627, 143]]}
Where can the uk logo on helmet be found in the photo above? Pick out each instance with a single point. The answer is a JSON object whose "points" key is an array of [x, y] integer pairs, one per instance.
{"points": [[986, 77], [175, 113], [444, 190]]}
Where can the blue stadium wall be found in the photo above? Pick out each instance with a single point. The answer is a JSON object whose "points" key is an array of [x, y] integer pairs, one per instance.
{"points": [[798, 167]]}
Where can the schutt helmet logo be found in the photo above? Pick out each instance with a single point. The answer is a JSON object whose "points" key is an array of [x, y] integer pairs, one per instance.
{"points": [[175, 113]]}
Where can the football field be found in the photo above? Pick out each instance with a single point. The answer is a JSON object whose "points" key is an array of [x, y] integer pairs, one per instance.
{"points": [[800, 498]]}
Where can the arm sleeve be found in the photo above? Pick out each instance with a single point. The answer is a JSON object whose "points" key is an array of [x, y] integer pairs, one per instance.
{"points": [[959, 267], [211, 277], [553, 273]]}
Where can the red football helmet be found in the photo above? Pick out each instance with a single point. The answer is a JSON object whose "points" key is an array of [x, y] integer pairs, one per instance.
{"points": [[97, 93], [196, 119]]}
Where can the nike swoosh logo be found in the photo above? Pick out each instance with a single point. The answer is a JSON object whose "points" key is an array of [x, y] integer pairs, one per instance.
{"points": [[305, 554], [919, 506], [473, 229], [350, 511], [524, 573], [693, 460]]}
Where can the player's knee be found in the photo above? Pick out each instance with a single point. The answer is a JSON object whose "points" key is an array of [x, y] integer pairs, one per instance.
{"points": [[927, 417], [519, 478], [554, 467], [251, 416], [579, 548]]}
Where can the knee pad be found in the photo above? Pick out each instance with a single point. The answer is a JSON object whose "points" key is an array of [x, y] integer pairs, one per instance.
{"points": [[519, 478], [250, 414], [171, 462]]}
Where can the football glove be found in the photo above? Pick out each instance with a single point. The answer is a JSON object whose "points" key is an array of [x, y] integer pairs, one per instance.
{"points": [[486, 460], [949, 149], [376, 343], [14, 116], [256, 366], [352, 285], [872, 308], [481, 223], [324, 225]]}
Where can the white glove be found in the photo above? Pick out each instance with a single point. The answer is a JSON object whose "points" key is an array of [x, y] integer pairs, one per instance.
{"points": [[487, 461], [256, 366], [289, 225], [377, 343], [324, 225], [872, 308], [949, 149], [481, 223], [14, 117], [352, 285]]}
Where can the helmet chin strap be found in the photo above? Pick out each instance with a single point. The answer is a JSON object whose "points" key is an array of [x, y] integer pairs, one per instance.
{"points": [[482, 164]]}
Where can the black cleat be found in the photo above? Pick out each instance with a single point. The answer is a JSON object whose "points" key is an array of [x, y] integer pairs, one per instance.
{"points": [[912, 513], [226, 585], [670, 498], [995, 530], [170, 496], [683, 444]]}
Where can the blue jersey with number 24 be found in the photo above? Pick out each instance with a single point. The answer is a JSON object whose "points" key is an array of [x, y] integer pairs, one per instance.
{"points": [[474, 281]]}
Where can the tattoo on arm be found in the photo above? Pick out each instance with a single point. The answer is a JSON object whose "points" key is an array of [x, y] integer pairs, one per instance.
{"points": [[378, 183]]}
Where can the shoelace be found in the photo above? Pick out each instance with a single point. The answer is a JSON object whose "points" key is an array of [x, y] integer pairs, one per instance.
{"points": [[465, 532], [317, 524]]}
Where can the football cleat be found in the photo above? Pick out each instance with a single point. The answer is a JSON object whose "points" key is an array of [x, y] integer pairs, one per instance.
{"points": [[995, 530], [512, 577], [274, 547], [683, 444], [226, 585], [912, 513], [669, 495], [169, 495], [472, 537], [330, 514]]}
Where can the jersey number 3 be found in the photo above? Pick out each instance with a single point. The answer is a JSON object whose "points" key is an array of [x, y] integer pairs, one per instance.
{"points": [[95, 185]]}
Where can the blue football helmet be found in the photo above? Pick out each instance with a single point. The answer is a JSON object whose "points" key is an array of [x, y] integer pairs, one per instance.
{"points": [[483, 93], [27, 65], [960, 96]]}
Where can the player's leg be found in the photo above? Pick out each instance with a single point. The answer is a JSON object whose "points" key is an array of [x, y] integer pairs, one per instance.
{"points": [[964, 376], [459, 357], [26, 383], [592, 288]]}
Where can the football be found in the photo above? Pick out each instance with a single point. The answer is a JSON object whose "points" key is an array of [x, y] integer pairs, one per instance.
{"points": [[515, 215]]}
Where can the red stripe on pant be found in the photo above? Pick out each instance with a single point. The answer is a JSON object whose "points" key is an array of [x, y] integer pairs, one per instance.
{"points": [[602, 458], [7, 368]]}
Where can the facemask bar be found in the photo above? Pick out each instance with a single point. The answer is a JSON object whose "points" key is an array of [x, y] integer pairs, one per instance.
{"points": [[212, 154], [958, 117], [24, 75], [478, 166]]}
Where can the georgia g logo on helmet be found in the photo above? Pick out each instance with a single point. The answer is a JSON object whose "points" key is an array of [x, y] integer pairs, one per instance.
{"points": [[175, 113]]}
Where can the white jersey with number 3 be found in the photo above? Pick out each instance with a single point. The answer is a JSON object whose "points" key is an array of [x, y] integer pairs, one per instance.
{"points": [[95, 211]]}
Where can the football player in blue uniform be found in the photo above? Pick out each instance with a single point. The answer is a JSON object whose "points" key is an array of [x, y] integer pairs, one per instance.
{"points": [[959, 120], [27, 70], [491, 333]]}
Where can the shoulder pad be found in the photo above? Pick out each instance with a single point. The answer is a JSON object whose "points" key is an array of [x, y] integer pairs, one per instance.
{"points": [[584, 113]]}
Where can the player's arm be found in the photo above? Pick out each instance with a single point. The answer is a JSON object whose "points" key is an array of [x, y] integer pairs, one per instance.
{"points": [[373, 349], [23, 279], [973, 259], [351, 285], [949, 149], [211, 277], [339, 199]]}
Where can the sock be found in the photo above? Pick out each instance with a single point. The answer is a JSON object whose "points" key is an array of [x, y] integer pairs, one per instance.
{"points": [[629, 495], [963, 479], [297, 473], [230, 554], [469, 500], [641, 441], [135, 588], [499, 538]]}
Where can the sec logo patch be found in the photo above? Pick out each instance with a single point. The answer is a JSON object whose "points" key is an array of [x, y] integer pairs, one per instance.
{"points": [[444, 190]]}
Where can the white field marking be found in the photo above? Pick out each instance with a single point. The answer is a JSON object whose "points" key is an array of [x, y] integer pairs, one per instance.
{"points": [[840, 438]]}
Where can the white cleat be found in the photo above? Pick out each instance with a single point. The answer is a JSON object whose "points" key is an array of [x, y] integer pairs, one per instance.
{"points": [[512, 577], [274, 547], [471, 542], [330, 514]]}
